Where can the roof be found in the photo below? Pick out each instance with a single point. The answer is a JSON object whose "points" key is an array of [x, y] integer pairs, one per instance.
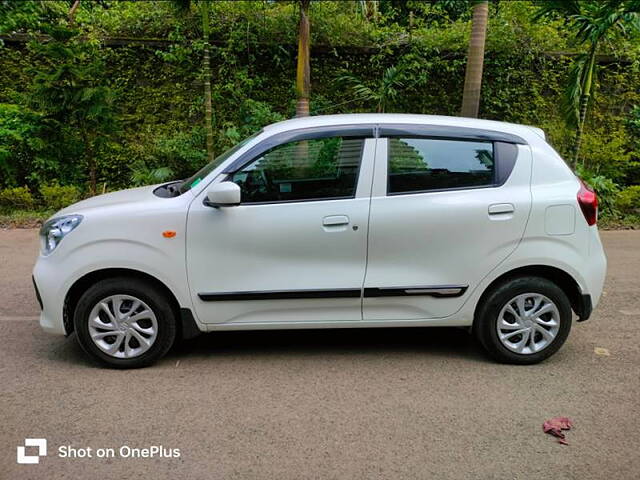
{"points": [[401, 118]]}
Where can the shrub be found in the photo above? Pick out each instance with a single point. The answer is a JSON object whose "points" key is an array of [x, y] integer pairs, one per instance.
{"points": [[145, 175], [56, 196], [628, 200], [606, 189], [16, 198]]}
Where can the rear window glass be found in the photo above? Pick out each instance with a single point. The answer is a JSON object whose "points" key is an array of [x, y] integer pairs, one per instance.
{"points": [[423, 164]]}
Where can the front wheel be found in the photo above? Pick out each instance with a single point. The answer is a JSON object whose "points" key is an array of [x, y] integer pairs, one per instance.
{"points": [[524, 320], [124, 323]]}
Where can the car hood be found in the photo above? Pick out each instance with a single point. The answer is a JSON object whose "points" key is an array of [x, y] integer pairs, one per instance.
{"points": [[131, 195]]}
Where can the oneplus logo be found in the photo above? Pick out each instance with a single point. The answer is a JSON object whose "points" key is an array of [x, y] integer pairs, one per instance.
{"points": [[41, 443]]}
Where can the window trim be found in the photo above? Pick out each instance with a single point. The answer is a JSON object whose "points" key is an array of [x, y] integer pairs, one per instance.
{"points": [[504, 163], [229, 176], [313, 133], [448, 132]]}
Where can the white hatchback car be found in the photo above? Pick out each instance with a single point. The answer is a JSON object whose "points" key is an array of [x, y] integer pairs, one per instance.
{"points": [[335, 222]]}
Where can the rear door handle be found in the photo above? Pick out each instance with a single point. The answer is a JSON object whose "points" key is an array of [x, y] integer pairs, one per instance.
{"points": [[501, 208], [335, 220]]}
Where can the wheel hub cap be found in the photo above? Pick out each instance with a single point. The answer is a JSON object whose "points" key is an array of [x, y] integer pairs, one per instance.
{"points": [[123, 326], [528, 323]]}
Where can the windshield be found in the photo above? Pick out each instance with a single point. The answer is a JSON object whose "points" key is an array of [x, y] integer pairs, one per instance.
{"points": [[197, 177]]}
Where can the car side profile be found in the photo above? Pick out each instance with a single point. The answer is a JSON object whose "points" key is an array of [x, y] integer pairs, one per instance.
{"points": [[340, 221]]}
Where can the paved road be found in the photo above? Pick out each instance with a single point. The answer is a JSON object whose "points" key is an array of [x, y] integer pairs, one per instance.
{"points": [[401, 403]]}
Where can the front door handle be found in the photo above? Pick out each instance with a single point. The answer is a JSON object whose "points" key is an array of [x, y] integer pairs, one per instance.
{"points": [[335, 220], [501, 208]]}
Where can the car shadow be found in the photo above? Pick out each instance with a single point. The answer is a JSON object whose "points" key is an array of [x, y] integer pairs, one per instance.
{"points": [[449, 342], [437, 342]]}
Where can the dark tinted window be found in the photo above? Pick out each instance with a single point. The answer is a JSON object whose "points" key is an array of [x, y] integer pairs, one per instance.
{"points": [[304, 170], [419, 164]]}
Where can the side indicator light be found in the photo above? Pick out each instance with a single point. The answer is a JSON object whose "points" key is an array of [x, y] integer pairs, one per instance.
{"points": [[169, 233]]}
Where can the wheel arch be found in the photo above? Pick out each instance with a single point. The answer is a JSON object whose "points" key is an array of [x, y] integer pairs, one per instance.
{"points": [[560, 277], [186, 324]]}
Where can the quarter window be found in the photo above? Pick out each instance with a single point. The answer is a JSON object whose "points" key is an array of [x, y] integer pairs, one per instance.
{"points": [[423, 164], [304, 170]]}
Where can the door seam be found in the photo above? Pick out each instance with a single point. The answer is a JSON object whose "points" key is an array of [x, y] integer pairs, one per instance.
{"points": [[366, 251]]}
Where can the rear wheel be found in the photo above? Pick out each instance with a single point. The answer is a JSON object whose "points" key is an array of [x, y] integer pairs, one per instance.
{"points": [[524, 320], [124, 323]]}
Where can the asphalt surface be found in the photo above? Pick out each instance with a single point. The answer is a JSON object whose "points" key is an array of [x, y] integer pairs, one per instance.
{"points": [[383, 403]]}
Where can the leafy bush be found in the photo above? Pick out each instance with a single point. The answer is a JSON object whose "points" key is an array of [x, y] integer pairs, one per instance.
{"points": [[56, 196], [18, 142], [253, 115], [16, 198], [145, 175], [606, 189], [182, 153], [628, 200]]}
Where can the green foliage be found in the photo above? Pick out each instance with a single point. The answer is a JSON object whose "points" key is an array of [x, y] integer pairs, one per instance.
{"points": [[151, 103], [606, 189], [16, 198], [253, 115], [628, 200], [18, 142], [383, 95], [70, 94], [144, 175], [592, 22], [56, 197]]}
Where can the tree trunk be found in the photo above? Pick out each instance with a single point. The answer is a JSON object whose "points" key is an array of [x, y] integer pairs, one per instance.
{"points": [[584, 103], [303, 73], [206, 74], [475, 60], [72, 12], [91, 162]]}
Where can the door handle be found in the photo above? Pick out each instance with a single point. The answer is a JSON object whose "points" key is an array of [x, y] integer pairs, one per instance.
{"points": [[335, 220], [501, 208]]}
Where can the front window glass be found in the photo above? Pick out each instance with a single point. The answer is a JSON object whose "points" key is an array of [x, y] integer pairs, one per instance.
{"points": [[197, 177], [423, 164], [303, 170]]}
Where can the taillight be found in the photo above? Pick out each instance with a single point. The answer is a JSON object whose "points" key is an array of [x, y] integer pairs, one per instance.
{"points": [[588, 201]]}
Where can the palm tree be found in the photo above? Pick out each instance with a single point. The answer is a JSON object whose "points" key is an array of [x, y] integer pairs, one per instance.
{"points": [[206, 73], [383, 95], [303, 72], [368, 9], [72, 12], [475, 61], [185, 6], [592, 21]]}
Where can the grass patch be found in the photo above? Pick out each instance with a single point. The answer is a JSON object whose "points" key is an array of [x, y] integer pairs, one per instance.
{"points": [[24, 218], [628, 222]]}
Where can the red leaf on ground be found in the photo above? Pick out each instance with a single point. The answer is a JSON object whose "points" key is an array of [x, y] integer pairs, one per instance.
{"points": [[555, 427]]}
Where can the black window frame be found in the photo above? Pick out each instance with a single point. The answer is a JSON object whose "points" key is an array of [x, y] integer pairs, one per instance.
{"points": [[504, 158], [363, 132]]}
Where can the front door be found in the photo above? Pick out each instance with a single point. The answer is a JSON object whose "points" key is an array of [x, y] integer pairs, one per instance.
{"points": [[294, 250], [443, 215]]}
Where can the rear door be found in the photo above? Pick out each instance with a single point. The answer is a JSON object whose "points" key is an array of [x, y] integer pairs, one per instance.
{"points": [[445, 211]]}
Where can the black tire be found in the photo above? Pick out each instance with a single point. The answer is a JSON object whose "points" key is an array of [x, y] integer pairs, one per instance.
{"points": [[140, 289], [485, 324]]}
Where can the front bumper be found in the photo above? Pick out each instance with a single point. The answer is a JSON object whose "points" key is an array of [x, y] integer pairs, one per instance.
{"points": [[50, 293], [35, 287]]}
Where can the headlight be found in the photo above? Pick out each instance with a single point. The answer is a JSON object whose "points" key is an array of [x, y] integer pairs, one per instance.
{"points": [[54, 230]]}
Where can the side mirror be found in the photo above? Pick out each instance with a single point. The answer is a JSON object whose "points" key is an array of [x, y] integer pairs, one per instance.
{"points": [[223, 194]]}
